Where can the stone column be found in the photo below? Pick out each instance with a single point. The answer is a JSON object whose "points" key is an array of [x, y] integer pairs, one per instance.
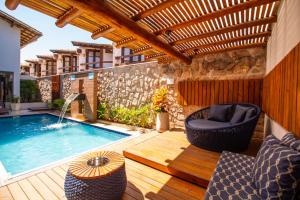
{"points": [[59, 64], [116, 52], [43, 67], [82, 60], [31, 69]]}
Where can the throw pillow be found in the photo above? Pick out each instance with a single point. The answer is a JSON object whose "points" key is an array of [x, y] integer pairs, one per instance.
{"points": [[250, 113], [276, 171], [239, 114], [219, 112], [291, 141]]}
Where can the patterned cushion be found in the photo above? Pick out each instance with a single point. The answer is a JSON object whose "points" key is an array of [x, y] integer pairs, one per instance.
{"points": [[290, 141], [232, 178], [276, 172]]}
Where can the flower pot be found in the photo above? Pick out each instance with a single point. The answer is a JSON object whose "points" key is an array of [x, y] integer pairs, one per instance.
{"points": [[162, 122], [15, 106]]}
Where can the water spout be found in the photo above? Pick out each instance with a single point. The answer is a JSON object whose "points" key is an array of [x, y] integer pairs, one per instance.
{"points": [[69, 100]]}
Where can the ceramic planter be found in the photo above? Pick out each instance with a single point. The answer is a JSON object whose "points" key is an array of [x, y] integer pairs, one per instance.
{"points": [[15, 106], [162, 121]]}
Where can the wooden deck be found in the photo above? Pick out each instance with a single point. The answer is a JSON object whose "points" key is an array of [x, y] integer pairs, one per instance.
{"points": [[171, 153], [143, 182]]}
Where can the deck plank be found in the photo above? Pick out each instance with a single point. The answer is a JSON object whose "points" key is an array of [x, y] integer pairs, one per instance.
{"points": [[53, 186], [42, 188], [5, 194], [17, 192], [29, 190], [176, 156]]}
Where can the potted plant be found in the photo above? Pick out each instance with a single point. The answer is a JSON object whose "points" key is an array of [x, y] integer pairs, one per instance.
{"points": [[159, 104], [15, 103]]}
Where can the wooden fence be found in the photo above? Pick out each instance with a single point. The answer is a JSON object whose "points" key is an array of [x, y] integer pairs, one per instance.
{"points": [[281, 92], [207, 92]]}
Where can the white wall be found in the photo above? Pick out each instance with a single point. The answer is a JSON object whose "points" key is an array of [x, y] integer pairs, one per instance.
{"points": [[10, 52], [285, 36], [107, 57]]}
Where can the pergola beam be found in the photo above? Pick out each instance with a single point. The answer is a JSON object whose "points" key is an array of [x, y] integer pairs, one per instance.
{"points": [[155, 9], [12, 4], [103, 10], [236, 39], [216, 14], [248, 46], [142, 49], [226, 30], [156, 55], [67, 17], [125, 41], [102, 32]]}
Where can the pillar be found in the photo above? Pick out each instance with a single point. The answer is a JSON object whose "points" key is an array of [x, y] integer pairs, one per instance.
{"points": [[82, 60], [59, 64], [43, 68]]}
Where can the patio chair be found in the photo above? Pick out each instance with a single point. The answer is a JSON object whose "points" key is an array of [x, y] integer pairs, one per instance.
{"points": [[3, 110], [222, 127]]}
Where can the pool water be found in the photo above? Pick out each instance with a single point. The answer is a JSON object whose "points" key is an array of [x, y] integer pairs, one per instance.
{"points": [[28, 142]]}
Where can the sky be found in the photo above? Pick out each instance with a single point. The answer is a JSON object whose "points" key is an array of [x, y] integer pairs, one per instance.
{"points": [[53, 37]]}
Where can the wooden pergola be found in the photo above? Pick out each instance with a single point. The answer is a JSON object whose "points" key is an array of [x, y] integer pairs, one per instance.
{"points": [[166, 29]]}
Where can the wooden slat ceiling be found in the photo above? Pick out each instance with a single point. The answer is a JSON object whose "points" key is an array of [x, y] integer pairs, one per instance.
{"points": [[190, 26]]}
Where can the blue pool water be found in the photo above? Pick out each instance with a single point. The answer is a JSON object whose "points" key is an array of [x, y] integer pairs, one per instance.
{"points": [[27, 142]]}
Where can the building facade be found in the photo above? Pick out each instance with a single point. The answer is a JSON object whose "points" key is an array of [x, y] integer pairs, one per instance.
{"points": [[14, 35]]}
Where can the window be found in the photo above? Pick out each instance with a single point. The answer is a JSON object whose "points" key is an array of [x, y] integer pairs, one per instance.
{"points": [[51, 67], [6, 86], [130, 59], [93, 59], [68, 64]]}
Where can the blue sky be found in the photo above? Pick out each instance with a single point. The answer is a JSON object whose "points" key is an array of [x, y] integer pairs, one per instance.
{"points": [[53, 37]]}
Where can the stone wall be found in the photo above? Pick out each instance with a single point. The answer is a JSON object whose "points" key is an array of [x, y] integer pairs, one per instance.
{"points": [[133, 85], [45, 87], [66, 87]]}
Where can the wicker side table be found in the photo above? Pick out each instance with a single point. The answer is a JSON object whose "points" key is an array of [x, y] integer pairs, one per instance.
{"points": [[97, 175]]}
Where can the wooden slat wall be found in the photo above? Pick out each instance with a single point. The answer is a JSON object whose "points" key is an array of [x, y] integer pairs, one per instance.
{"points": [[207, 92], [281, 92]]}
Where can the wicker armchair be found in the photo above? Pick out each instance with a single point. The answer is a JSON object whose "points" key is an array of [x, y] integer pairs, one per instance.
{"points": [[230, 137]]}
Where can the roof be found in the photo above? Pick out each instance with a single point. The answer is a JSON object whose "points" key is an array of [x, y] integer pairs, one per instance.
{"points": [[169, 28], [63, 51], [45, 57], [28, 33], [92, 45], [32, 61]]}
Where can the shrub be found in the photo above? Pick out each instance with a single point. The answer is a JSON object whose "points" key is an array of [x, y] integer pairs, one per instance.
{"points": [[142, 117], [159, 100], [15, 99], [29, 91], [58, 104], [102, 111]]}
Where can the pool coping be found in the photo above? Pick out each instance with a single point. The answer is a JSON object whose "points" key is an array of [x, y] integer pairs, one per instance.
{"points": [[130, 135]]}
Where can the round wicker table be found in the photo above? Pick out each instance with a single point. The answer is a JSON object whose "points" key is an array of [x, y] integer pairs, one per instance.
{"points": [[97, 175]]}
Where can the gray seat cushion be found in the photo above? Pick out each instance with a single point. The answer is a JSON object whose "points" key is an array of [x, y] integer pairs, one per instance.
{"points": [[207, 124], [219, 112], [232, 178], [239, 114]]}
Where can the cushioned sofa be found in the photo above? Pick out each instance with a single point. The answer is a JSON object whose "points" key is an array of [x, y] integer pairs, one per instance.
{"points": [[222, 127], [273, 174]]}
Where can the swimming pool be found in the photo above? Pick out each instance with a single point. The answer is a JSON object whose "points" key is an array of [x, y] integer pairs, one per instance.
{"points": [[29, 142]]}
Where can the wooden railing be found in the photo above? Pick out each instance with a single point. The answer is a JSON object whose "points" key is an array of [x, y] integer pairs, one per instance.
{"points": [[207, 92], [281, 92]]}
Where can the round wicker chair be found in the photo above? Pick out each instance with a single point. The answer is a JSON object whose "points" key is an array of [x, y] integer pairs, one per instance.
{"points": [[231, 137]]}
